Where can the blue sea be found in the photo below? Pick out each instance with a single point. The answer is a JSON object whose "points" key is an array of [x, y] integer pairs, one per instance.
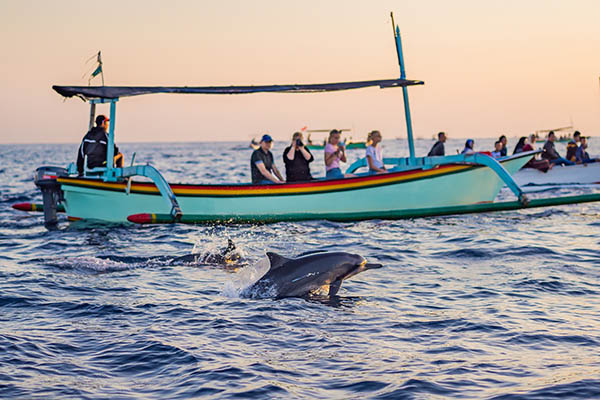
{"points": [[484, 306]]}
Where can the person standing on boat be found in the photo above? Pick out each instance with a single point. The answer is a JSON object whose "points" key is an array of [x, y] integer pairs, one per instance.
{"points": [[503, 151], [334, 153], [469, 144], [262, 166], [438, 147], [374, 154], [297, 158], [551, 154], [94, 145], [573, 146]]}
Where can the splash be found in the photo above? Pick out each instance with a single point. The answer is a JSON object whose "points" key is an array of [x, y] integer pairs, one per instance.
{"points": [[91, 264], [240, 284]]}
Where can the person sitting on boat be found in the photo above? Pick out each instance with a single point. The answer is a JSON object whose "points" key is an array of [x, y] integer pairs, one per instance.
{"points": [[469, 144], [374, 154], [438, 147], [520, 145], [334, 153], [573, 146], [497, 153], [262, 166], [94, 145], [581, 155], [542, 165], [502, 139], [297, 158], [551, 154]]}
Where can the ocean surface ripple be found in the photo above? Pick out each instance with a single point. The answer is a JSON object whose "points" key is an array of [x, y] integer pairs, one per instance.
{"points": [[497, 306]]}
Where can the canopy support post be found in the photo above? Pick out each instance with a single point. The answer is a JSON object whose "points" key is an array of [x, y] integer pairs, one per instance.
{"points": [[409, 131], [92, 115], [110, 150]]}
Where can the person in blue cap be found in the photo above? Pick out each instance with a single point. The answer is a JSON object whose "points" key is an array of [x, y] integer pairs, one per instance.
{"points": [[262, 166]]}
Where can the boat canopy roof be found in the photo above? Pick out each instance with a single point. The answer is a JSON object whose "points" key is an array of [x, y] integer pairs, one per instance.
{"points": [[113, 92]]}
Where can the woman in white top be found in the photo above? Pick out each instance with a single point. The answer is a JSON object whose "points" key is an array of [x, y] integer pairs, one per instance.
{"points": [[374, 154]]}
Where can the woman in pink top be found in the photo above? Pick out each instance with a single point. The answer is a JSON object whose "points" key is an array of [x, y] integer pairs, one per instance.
{"points": [[334, 153]]}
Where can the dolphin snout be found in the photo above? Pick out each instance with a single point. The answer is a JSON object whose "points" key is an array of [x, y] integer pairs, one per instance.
{"points": [[372, 266]]}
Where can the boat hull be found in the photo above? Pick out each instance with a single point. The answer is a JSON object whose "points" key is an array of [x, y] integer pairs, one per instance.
{"points": [[375, 195], [559, 175]]}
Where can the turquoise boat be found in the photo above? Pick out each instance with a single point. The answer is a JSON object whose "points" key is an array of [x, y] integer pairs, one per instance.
{"points": [[413, 187]]}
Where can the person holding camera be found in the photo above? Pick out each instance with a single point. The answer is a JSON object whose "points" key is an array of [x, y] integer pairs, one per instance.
{"points": [[297, 158]]}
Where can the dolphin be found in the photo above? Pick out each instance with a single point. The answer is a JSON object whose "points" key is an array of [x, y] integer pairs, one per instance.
{"points": [[299, 277]]}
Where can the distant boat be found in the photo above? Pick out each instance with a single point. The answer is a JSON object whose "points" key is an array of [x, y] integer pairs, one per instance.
{"points": [[542, 134], [348, 143]]}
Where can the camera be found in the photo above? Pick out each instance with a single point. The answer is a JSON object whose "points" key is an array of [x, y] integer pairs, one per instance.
{"points": [[299, 143]]}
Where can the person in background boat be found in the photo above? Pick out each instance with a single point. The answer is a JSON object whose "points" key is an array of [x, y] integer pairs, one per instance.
{"points": [[374, 154], [438, 147], [550, 152], [334, 153], [497, 153], [542, 165], [581, 155], [502, 139], [469, 144], [262, 166], [530, 143], [94, 145], [520, 145], [573, 146], [297, 158]]}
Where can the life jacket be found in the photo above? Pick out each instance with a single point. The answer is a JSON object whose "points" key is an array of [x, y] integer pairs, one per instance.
{"points": [[571, 151]]}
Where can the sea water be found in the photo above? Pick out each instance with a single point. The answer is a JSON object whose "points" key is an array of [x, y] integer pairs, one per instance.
{"points": [[499, 305]]}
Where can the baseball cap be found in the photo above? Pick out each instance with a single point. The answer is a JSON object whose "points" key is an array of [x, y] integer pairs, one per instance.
{"points": [[266, 138], [100, 119]]}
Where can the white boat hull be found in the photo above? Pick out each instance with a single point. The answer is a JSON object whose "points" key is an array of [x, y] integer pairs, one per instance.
{"points": [[580, 174]]}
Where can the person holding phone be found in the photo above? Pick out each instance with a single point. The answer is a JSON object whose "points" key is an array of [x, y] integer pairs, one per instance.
{"points": [[334, 153], [297, 158]]}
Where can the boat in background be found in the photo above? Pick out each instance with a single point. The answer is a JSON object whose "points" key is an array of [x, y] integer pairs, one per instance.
{"points": [[348, 143], [564, 138]]}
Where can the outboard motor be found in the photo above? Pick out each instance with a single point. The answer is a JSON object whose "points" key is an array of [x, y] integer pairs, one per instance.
{"points": [[45, 179]]}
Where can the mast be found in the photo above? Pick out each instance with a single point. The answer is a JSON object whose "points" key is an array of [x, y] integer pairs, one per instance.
{"points": [[411, 144]]}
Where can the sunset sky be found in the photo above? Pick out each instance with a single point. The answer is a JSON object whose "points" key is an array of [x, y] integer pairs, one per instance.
{"points": [[490, 68]]}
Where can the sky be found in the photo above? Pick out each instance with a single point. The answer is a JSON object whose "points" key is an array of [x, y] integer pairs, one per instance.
{"points": [[490, 68]]}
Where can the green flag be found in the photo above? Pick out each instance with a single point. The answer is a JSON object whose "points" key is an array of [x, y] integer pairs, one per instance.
{"points": [[97, 71]]}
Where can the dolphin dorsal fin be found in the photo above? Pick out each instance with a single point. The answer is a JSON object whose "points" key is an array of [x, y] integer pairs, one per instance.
{"points": [[276, 260]]}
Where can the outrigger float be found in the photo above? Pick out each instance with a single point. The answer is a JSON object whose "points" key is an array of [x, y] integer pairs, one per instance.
{"points": [[413, 187]]}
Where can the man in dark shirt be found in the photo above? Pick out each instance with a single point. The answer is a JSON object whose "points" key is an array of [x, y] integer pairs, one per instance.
{"points": [[296, 158], [262, 167], [550, 152], [94, 145], [438, 147]]}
